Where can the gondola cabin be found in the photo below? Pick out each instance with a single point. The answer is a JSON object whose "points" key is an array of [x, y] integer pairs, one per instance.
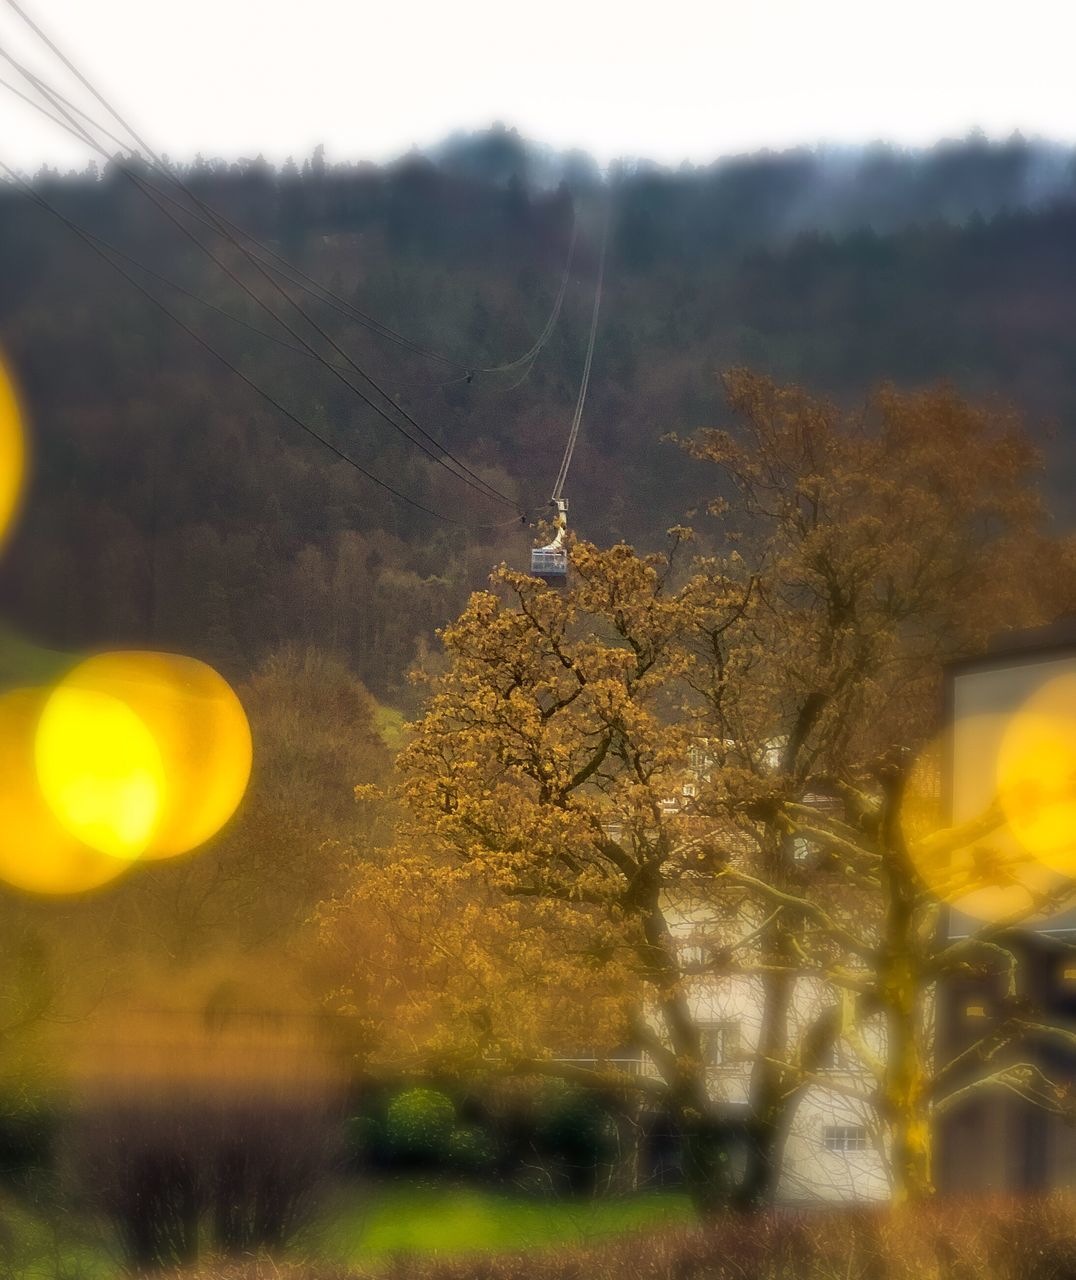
{"points": [[550, 563]]}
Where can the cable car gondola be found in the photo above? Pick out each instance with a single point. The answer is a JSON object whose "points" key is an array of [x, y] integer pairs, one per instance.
{"points": [[550, 563]]}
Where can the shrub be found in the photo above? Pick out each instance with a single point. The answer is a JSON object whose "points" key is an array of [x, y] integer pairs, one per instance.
{"points": [[471, 1150], [576, 1130], [419, 1125], [163, 1173]]}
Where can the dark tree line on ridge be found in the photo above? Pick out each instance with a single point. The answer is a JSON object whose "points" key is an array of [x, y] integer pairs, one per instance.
{"points": [[171, 506]]}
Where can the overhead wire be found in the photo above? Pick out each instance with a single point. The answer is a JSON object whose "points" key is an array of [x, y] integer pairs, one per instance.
{"points": [[468, 476], [584, 386], [115, 249], [529, 356], [383, 329], [196, 297], [265, 395], [163, 279], [299, 277], [481, 486], [230, 230], [327, 297]]}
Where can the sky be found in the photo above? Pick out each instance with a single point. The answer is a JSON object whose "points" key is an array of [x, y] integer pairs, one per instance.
{"points": [[671, 81]]}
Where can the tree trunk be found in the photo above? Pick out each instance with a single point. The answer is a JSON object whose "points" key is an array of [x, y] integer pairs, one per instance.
{"points": [[624, 1175], [768, 1095], [758, 1185], [905, 1107], [704, 1135], [705, 1162], [911, 1160]]}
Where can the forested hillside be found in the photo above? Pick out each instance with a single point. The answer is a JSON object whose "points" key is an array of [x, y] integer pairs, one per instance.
{"points": [[172, 506]]}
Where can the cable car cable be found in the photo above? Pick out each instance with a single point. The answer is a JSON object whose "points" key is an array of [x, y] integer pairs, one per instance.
{"points": [[311, 284], [195, 297], [296, 276], [267, 396], [166, 280], [584, 386], [152, 194], [550, 563], [479, 485]]}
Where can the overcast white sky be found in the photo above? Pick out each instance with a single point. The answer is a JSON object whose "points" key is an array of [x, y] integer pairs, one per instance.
{"points": [[669, 79]]}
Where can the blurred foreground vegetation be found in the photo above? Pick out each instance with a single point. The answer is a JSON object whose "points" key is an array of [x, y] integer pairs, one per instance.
{"points": [[438, 1218], [1015, 1240], [365, 1226], [428, 1229]]}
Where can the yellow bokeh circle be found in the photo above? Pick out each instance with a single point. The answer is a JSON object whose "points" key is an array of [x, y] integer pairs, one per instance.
{"points": [[37, 853], [100, 770], [990, 875], [200, 731], [1036, 774], [12, 453]]}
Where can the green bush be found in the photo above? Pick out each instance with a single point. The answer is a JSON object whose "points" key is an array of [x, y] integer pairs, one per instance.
{"points": [[573, 1126], [419, 1127], [472, 1150]]}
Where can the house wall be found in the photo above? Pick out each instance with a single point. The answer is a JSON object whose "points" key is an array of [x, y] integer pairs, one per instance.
{"points": [[811, 1172]]}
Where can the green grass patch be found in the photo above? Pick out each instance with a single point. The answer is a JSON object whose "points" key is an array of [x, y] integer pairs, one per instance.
{"points": [[438, 1218], [39, 1244]]}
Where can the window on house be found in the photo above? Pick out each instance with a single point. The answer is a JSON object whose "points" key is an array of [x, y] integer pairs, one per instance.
{"points": [[801, 849], [844, 1137], [719, 1043], [688, 790], [693, 955]]}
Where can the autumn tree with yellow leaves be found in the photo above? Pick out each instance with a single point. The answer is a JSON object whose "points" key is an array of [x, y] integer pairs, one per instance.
{"points": [[548, 852], [884, 544]]}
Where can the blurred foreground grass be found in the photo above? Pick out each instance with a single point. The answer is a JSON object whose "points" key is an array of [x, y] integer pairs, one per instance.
{"points": [[53, 1246], [975, 1239], [362, 1226], [432, 1218], [411, 1231]]}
